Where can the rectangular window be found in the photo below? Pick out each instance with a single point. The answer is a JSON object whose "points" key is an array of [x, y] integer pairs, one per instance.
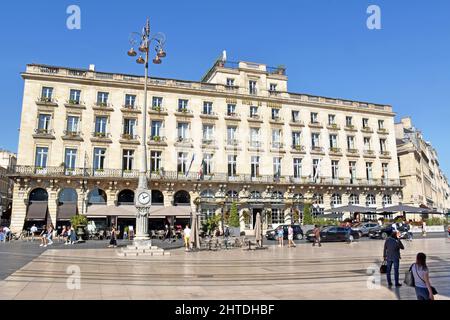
{"points": [[352, 169], [381, 124], [314, 117], [369, 175], [208, 132], [207, 107], [349, 122], [231, 135], [157, 102], [277, 216], [255, 166], [183, 131], [182, 162], [297, 168], [156, 128], [277, 167], [365, 122], [334, 169], [316, 169], [383, 145], [273, 87], [99, 158], [127, 160], [315, 140], [367, 145], [333, 141], [47, 93], [74, 96], [230, 82], [130, 101], [384, 172], [207, 164], [44, 123], [72, 124], [296, 138], [231, 109], [70, 158], [129, 127], [100, 125], [276, 138], [295, 116], [155, 161], [255, 138], [350, 142], [232, 162], [253, 112], [331, 119], [252, 87], [183, 105], [41, 157], [102, 98], [275, 114]]}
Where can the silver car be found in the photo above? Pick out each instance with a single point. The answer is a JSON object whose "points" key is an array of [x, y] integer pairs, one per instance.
{"points": [[364, 228]]}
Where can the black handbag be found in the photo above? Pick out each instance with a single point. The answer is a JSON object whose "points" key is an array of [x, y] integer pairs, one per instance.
{"points": [[383, 268]]}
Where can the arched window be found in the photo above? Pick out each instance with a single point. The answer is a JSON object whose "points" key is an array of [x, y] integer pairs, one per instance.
{"points": [[387, 200], [157, 197], [255, 195], [353, 199], [233, 195], [336, 199], [126, 197], [318, 198], [370, 200], [67, 196], [207, 194], [277, 195], [97, 196], [181, 197], [39, 195]]}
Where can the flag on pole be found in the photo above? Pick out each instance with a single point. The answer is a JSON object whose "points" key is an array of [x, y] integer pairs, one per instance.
{"points": [[190, 166], [201, 174]]}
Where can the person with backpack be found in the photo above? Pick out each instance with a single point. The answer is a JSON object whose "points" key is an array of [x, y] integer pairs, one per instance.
{"points": [[420, 272]]}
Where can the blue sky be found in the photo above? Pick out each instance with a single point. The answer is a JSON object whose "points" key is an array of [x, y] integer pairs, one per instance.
{"points": [[325, 45]]}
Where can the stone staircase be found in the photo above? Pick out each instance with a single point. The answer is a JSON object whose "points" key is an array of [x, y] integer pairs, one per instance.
{"points": [[142, 251]]}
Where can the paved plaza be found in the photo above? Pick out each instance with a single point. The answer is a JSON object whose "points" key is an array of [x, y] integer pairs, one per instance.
{"points": [[335, 271]]}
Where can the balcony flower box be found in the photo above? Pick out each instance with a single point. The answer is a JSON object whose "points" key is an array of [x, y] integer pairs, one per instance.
{"points": [[102, 104], [42, 131], [350, 127], [156, 108], [45, 99], [99, 134], [335, 150], [74, 102], [127, 136], [352, 151]]}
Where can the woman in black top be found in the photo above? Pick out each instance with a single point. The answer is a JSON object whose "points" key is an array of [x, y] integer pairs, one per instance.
{"points": [[113, 241]]}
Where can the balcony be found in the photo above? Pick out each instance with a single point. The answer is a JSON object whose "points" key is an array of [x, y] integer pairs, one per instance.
{"points": [[184, 142], [75, 104], [232, 89], [157, 141], [232, 116], [366, 130], [385, 154], [130, 109], [155, 110], [317, 151], [208, 143], [210, 115], [183, 112], [44, 134], [72, 136], [46, 102], [232, 144], [276, 120], [101, 137], [255, 146], [315, 124], [333, 127], [383, 131], [335, 151], [369, 153], [103, 106], [298, 149], [255, 118], [274, 93], [296, 123], [128, 138], [353, 153], [276, 147], [350, 128], [54, 172]]}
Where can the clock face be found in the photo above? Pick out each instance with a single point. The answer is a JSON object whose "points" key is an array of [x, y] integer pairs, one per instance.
{"points": [[144, 198]]}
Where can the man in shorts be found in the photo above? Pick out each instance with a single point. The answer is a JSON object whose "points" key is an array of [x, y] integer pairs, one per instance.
{"points": [[187, 237]]}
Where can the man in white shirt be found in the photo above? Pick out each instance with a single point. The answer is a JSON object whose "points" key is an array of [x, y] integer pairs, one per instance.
{"points": [[187, 237], [33, 231], [7, 233]]}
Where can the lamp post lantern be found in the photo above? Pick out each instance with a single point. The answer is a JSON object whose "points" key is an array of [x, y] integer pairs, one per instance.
{"points": [[143, 195]]}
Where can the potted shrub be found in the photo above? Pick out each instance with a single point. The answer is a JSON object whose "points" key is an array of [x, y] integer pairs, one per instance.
{"points": [[233, 221], [79, 223]]}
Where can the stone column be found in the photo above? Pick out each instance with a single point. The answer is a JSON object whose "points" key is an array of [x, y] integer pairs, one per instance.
{"points": [[19, 209], [52, 206]]}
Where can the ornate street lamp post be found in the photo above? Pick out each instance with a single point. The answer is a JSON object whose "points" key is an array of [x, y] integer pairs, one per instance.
{"points": [[143, 197]]}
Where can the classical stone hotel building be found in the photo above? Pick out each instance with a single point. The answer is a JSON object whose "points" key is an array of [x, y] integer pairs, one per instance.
{"points": [[238, 135]]}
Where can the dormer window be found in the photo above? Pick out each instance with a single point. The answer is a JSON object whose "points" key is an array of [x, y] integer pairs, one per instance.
{"points": [[273, 87]]}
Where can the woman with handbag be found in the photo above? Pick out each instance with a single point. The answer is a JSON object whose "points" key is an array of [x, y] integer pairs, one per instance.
{"points": [[419, 270]]}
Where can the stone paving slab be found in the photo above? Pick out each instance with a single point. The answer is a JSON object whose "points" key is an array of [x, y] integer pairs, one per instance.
{"points": [[335, 271]]}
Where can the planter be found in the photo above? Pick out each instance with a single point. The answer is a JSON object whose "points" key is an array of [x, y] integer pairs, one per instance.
{"points": [[80, 231]]}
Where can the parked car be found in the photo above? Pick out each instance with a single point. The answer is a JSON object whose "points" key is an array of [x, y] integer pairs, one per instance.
{"points": [[364, 228], [383, 232], [334, 234], [298, 232]]}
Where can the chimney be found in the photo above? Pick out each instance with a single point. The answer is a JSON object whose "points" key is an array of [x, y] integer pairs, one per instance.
{"points": [[92, 67], [407, 122]]}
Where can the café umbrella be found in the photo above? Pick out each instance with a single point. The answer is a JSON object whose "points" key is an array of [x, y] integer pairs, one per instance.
{"points": [[258, 229], [195, 231], [352, 209]]}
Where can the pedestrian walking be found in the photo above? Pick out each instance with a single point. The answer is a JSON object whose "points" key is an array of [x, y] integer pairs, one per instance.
{"points": [[131, 232], [50, 230], [33, 231], [7, 233], [424, 228], [409, 226], [317, 239], [280, 233], [391, 254], [420, 272], [43, 236], [187, 237], [113, 241], [291, 237], [73, 235]]}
